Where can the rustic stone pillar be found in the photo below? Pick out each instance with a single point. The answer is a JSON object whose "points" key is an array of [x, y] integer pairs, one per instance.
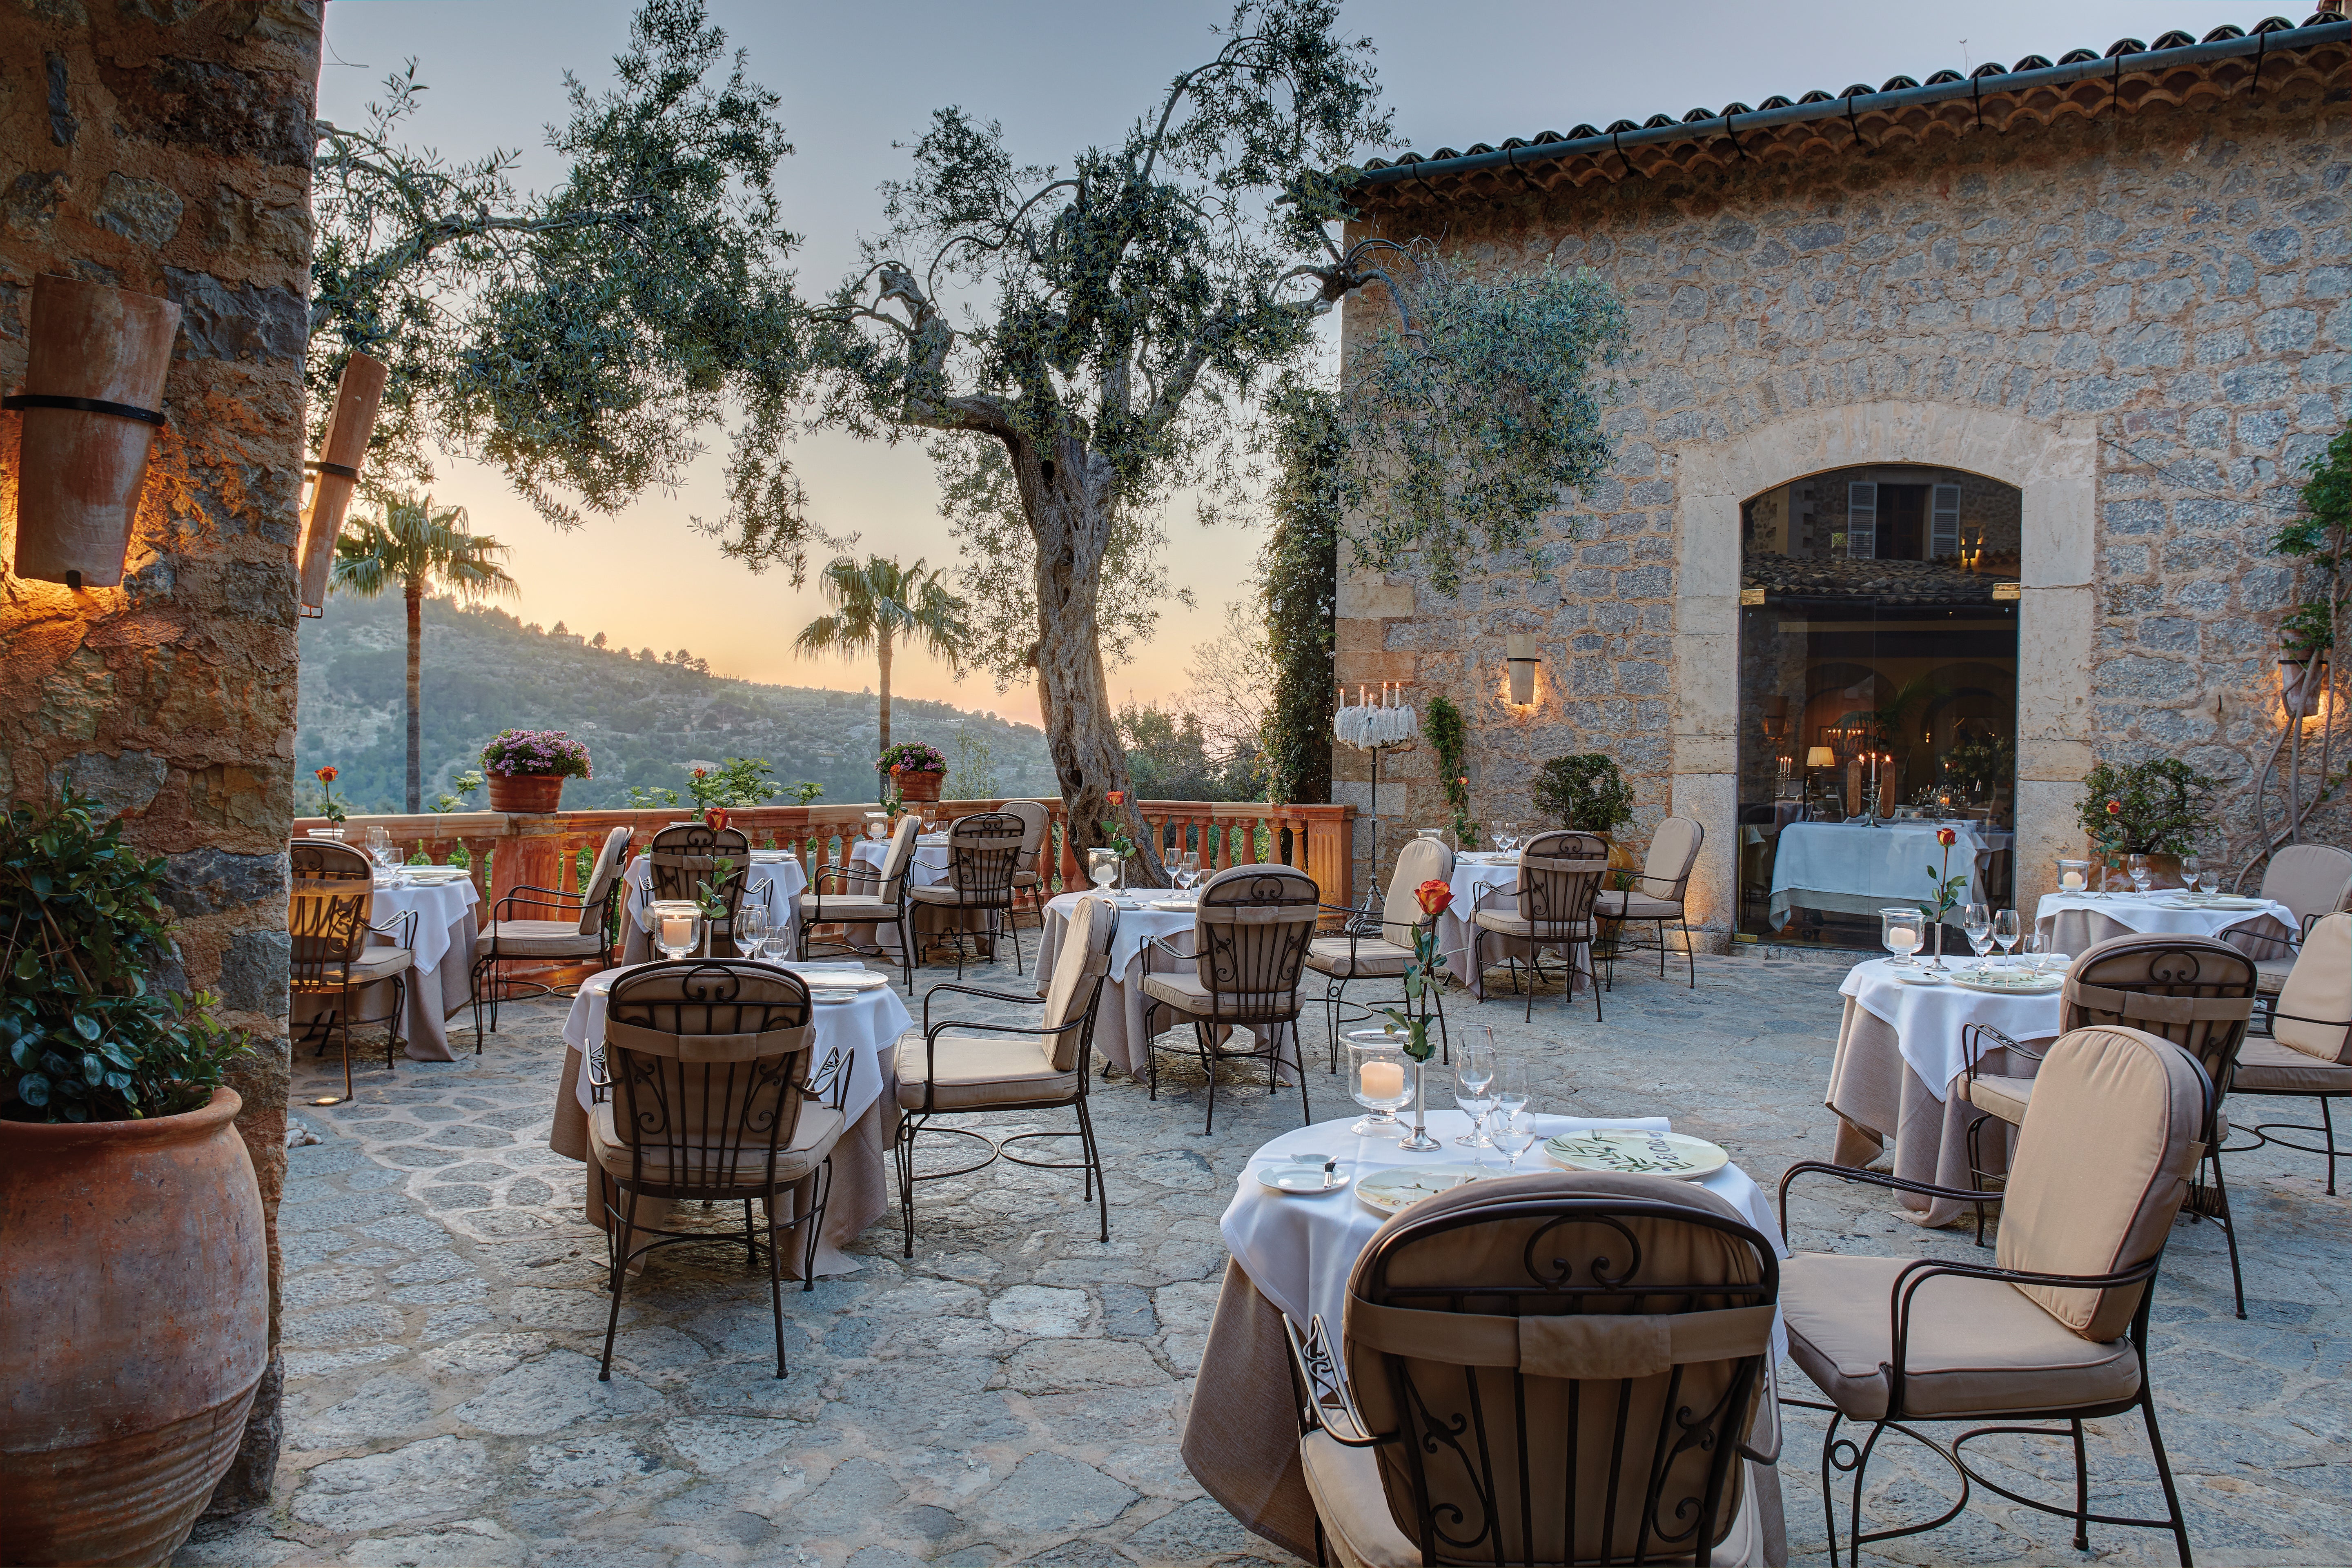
{"points": [[165, 148]]}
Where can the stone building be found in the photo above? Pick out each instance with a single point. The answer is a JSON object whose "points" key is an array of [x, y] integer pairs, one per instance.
{"points": [[164, 147], [1985, 393]]}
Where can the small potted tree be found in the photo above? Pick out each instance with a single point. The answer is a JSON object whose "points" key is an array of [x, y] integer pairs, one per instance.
{"points": [[1585, 794], [136, 1267], [916, 771], [526, 769], [2156, 808]]}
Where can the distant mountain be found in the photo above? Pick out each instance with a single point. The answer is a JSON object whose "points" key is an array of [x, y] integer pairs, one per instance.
{"points": [[643, 720]]}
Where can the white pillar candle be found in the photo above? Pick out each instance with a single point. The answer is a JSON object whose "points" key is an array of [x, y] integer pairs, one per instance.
{"points": [[2071, 882], [677, 930], [1384, 1080], [1902, 937]]}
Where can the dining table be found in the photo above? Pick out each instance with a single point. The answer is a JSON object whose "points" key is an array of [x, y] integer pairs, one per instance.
{"points": [[932, 863], [1291, 1254], [1854, 867], [1144, 914], [773, 880], [856, 1037], [1476, 876], [2070, 922], [1895, 1074], [440, 978]]}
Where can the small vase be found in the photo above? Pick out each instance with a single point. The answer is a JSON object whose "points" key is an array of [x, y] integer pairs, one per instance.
{"points": [[1421, 1141], [1935, 965]]}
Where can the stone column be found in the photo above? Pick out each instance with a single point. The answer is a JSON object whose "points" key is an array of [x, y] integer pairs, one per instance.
{"points": [[165, 149]]}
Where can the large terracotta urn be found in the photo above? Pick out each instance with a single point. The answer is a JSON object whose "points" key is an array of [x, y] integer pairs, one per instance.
{"points": [[526, 792], [134, 1328]]}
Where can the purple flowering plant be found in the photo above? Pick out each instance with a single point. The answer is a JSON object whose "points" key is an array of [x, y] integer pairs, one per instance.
{"points": [[913, 757], [536, 754]]}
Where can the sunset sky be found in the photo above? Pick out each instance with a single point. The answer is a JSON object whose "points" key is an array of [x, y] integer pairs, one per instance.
{"points": [[1063, 74]]}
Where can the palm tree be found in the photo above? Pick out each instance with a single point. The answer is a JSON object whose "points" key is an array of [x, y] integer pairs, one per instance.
{"points": [[415, 547], [878, 604]]}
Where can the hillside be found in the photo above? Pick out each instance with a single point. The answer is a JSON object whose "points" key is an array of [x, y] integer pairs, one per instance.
{"points": [[643, 720]]}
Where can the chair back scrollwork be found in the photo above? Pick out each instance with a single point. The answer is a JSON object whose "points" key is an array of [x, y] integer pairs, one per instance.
{"points": [[1560, 875], [1254, 925]]}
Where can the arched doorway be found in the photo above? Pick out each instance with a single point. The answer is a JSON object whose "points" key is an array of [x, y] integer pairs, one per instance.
{"points": [[1878, 686]]}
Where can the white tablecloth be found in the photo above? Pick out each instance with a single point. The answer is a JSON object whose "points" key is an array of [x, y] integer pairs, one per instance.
{"points": [[1118, 1020], [1471, 881], [1852, 868], [2075, 921], [1927, 1019], [441, 981], [932, 862], [775, 881], [1298, 1249]]}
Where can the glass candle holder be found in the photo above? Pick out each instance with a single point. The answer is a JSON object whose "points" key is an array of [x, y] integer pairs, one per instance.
{"points": [[675, 925], [1380, 1078], [1901, 931], [2073, 875]]}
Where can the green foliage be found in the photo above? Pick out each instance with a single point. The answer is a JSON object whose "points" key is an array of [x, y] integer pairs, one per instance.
{"points": [[806, 793], [1299, 568], [2321, 537], [643, 798], [462, 787], [578, 337], [87, 1036], [2156, 807], [975, 774], [1469, 414], [1168, 757], [1448, 732], [1983, 761], [415, 548], [1585, 792], [736, 781]]}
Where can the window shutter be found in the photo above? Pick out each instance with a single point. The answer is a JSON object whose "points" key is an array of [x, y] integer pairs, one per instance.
{"points": [[1944, 529], [1860, 520]]}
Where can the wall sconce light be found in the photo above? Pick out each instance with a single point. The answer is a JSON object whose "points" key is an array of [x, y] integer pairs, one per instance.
{"points": [[2303, 682], [92, 402], [1775, 719], [1519, 649], [358, 395]]}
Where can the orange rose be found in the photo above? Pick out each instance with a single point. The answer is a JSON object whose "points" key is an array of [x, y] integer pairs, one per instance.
{"points": [[327, 775], [1434, 897], [1119, 797], [2114, 808], [1947, 837]]}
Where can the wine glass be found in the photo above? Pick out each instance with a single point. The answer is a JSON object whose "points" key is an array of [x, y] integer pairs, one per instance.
{"points": [[1378, 1081], [1900, 933], [1507, 836], [1510, 1084], [2005, 932], [1474, 1077], [2141, 873], [1976, 924], [749, 928], [2189, 865], [2209, 881], [777, 945], [1514, 1134]]}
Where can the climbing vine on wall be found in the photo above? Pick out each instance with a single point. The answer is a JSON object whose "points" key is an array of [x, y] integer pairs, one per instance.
{"points": [[1301, 568], [1451, 736]]}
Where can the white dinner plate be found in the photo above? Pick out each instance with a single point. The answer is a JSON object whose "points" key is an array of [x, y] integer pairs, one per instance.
{"points": [[435, 873], [832, 998], [1182, 906], [1303, 1176], [1913, 977], [1393, 1190], [1675, 1154], [2229, 901], [843, 980], [2041, 985], [769, 857]]}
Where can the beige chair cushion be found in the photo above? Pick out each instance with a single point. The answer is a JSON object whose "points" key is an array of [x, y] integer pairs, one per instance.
{"points": [[600, 881], [1034, 822], [1336, 955], [537, 939], [1666, 868], [1025, 878], [853, 908], [977, 1071], [1634, 906], [1977, 1347], [1506, 922], [1085, 956], [2309, 879], [814, 1136], [1421, 861], [1187, 996], [2002, 1097], [941, 893], [2265, 1067], [376, 963], [2314, 1005], [2102, 1161]]}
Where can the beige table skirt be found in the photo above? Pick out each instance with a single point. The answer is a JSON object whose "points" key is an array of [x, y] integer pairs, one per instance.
{"points": [[2073, 930], [1878, 1097], [1119, 1037], [433, 998], [1240, 1433], [861, 1172]]}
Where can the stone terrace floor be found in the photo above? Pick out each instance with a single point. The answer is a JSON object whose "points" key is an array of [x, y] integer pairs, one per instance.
{"points": [[1014, 1392]]}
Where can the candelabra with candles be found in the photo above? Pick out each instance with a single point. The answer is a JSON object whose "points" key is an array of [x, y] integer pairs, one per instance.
{"points": [[1380, 723]]}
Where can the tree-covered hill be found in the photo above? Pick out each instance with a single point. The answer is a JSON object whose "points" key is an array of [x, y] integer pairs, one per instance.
{"points": [[645, 717]]}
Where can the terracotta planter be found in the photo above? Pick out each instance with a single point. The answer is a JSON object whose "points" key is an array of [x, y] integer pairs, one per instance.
{"points": [[526, 792], [134, 1328], [922, 787], [82, 470]]}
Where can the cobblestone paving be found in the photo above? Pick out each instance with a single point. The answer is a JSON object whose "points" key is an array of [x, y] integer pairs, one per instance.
{"points": [[1013, 1394]]}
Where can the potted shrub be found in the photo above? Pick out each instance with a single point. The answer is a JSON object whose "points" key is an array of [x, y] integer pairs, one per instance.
{"points": [[526, 769], [1585, 794], [2156, 808], [134, 1282], [916, 771]]}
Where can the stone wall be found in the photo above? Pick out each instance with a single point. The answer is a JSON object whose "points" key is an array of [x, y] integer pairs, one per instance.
{"points": [[163, 146], [2144, 321]]}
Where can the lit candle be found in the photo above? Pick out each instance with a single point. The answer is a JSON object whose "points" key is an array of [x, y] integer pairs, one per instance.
{"points": [[1384, 1080], [1905, 938], [677, 930], [2071, 882]]}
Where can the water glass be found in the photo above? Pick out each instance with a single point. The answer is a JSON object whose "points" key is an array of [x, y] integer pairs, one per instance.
{"points": [[2141, 873], [1514, 1134], [1901, 931], [1380, 1080], [749, 928], [1976, 924], [2189, 865], [777, 945], [2208, 880], [1510, 1088], [2005, 932], [1473, 1079]]}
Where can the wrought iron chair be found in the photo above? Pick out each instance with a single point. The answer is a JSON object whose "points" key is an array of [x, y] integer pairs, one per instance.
{"points": [[886, 905], [1559, 877], [2311, 881], [2308, 1055], [1656, 896], [2193, 991], [579, 934], [714, 1094], [1376, 943], [1031, 875], [331, 962], [684, 858], [984, 853], [963, 1065], [325, 860], [1557, 1368], [1250, 939], [2056, 1328]]}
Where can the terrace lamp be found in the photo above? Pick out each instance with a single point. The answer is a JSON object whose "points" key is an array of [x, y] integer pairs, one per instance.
{"points": [[1522, 655]]}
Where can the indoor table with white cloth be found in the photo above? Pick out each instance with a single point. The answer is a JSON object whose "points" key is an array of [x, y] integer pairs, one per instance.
{"points": [[1475, 876], [1893, 1076], [440, 980], [1292, 1253], [2071, 923], [1119, 1037], [858, 1036], [773, 881], [1854, 867]]}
